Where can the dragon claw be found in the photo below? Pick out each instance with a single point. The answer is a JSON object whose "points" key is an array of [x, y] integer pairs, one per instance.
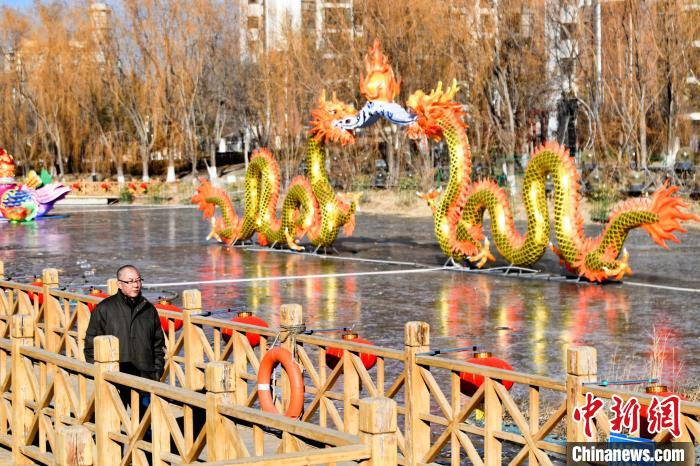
{"points": [[484, 255], [213, 233], [621, 269], [292, 243]]}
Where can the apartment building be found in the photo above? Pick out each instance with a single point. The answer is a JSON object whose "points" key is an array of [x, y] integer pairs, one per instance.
{"points": [[328, 24]]}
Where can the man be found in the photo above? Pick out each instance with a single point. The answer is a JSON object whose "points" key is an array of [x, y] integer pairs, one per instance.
{"points": [[134, 321]]}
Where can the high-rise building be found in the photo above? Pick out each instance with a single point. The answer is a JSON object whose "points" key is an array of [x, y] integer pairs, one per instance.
{"points": [[329, 24], [691, 107], [264, 24]]}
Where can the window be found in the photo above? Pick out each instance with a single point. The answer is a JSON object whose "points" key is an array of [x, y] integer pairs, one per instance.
{"points": [[567, 66], [253, 22], [567, 31]]}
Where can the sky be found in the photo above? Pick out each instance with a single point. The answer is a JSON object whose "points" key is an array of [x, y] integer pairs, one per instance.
{"points": [[17, 3]]}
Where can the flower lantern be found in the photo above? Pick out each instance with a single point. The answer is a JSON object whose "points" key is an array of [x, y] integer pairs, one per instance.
{"points": [[39, 296]]}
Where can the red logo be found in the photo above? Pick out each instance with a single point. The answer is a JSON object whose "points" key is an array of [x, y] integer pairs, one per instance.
{"points": [[586, 412], [665, 414], [625, 414]]}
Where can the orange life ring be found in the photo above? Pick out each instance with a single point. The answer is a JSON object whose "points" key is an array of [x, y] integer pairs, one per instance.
{"points": [[272, 358]]}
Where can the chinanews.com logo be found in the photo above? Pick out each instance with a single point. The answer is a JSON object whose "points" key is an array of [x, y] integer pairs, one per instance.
{"points": [[643, 423], [626, 453]]}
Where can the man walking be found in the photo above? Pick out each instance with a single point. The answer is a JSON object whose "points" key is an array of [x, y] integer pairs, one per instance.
{"points": [[131, 318]]}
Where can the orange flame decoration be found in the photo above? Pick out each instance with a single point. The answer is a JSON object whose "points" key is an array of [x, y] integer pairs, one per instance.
{"points": [[380, 83]]}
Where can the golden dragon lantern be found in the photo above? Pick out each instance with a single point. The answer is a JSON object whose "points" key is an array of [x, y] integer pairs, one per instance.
{"points": [[310, 208], [459, 210]]}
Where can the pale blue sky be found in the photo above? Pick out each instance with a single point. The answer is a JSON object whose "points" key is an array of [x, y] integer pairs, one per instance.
{"points": [[17, 3]]}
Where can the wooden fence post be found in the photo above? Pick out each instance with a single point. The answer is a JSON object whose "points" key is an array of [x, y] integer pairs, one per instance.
{"points": [[291, 316], [581, 366], [106, 415], [416, 340], [194, 349], [493, 422], [22, 333], [221, 385], [240, 360], [2, 270], [351, 392], [74, 446], [52, 317], [378, 426], [112, 286]]}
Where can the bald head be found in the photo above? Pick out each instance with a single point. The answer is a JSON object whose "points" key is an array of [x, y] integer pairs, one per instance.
{"points": [[129, 280]]}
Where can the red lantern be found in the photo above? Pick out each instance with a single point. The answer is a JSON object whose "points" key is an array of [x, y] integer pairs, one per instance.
{"points": [[97, 293], [166, 305], [660, 391], [334, 355], [40, 296], [246, 317], [469, 383]]}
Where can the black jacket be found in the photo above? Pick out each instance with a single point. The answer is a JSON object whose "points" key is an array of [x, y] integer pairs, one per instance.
{"points": [[141, 339]]}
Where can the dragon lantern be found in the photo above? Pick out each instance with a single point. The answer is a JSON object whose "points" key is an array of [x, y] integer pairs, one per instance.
{"points": [[34, 197], [459, 211], [310, 208]]}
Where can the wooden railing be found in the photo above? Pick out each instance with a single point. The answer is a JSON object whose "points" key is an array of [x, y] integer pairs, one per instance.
{"points": [[45, 393], [438, 423]]}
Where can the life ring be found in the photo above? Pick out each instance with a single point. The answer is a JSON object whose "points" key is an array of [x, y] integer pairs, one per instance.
{"points": [[272, 358]]}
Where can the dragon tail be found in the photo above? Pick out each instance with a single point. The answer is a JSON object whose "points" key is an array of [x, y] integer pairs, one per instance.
{"points": [[207, 199], [670, 216], [661, 216]]}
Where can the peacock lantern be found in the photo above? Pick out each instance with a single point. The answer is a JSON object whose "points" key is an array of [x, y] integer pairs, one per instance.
{"points": [[29, 199]]}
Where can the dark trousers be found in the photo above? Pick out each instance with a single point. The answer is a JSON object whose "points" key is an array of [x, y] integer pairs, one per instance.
{"points": [[125, 393], [144, 397]]}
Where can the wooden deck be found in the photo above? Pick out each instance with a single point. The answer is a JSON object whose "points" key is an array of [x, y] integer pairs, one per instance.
{"points": [[6, 458]]}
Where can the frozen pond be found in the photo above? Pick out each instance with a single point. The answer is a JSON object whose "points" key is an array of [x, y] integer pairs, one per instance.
{"points": [[529, 323]]}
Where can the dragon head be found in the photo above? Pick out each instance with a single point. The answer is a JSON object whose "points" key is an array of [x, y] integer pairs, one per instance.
{"points": [[433, 108], [324, 127]]}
